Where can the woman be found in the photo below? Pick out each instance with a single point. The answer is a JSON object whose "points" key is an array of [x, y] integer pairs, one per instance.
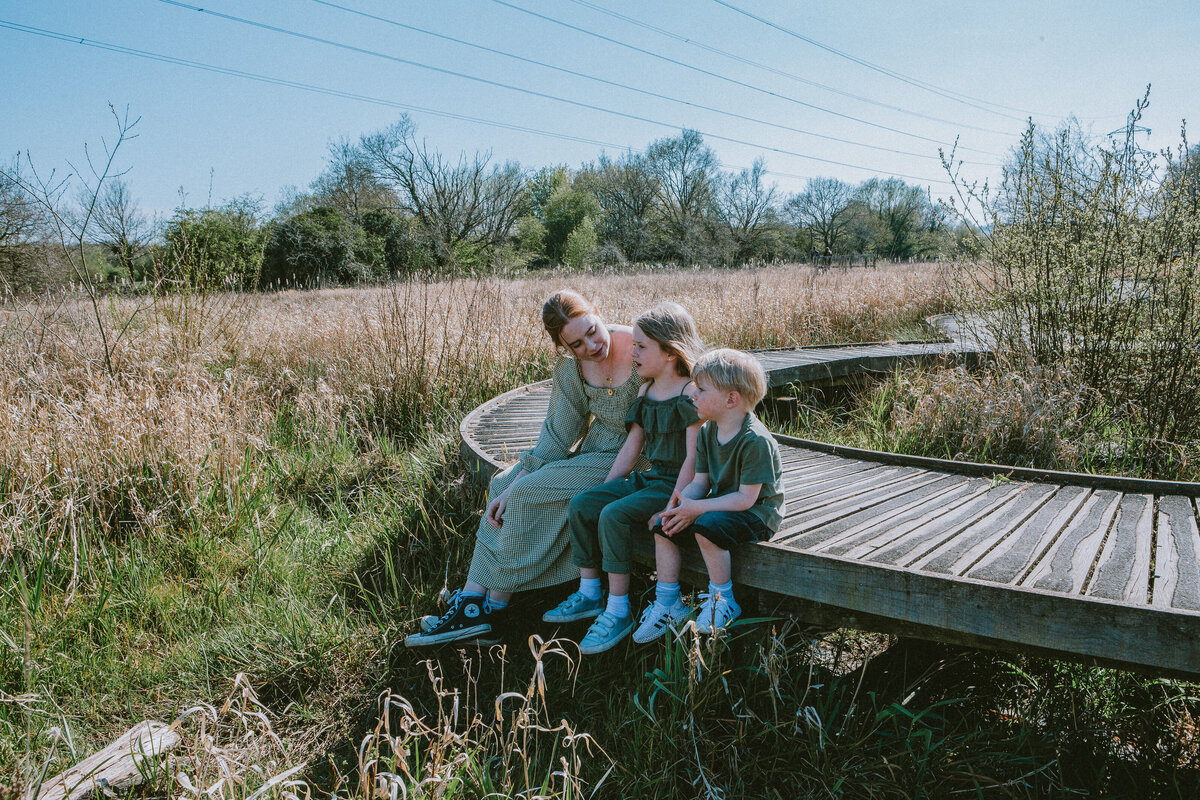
{"points": [[522, 540]]}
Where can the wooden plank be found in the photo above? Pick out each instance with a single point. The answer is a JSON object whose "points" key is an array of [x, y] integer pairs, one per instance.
{"points": [[815, 495], [1012, 557], [1123, 571], [1066, 563], [1176, 571], [868, 495], [917, 541], [118, 767], [873, 535], [958, 553], [833, 533], [850, 473]]}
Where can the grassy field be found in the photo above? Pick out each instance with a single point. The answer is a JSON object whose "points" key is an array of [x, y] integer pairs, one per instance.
{"points": [[239, 520]]}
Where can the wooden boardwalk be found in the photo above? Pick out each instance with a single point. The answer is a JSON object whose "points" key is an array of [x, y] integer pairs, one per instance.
{"points": [[1098, 569]]}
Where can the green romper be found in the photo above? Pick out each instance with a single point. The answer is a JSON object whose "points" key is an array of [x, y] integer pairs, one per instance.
{"points": [[529, 550], [605, 520]]}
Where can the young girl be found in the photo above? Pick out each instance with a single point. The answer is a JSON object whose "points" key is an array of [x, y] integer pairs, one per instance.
{"points": [[603, 521]]}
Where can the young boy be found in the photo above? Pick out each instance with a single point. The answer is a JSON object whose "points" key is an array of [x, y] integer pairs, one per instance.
{"points": [[736, 496]]}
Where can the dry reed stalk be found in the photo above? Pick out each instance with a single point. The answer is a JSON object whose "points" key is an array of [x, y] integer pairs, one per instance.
{"points": [[199, 380]]}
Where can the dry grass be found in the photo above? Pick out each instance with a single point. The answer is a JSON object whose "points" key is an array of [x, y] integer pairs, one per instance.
{"points": [[201, 380]]}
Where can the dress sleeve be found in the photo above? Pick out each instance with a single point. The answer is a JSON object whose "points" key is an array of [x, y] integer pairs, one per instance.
{"points": [[565, 419]]}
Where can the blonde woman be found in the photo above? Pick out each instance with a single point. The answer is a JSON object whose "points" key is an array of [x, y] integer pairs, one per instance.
{"points": [[522, 539]]}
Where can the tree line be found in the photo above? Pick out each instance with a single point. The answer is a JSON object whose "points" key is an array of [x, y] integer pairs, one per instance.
{"points": [[391, 205]]}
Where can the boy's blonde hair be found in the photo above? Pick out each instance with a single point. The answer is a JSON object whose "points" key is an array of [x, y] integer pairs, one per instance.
{"points": [[673, 329], [733, 371]]}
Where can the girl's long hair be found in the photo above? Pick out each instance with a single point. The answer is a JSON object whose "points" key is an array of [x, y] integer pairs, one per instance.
{"points": [[672, 327]]}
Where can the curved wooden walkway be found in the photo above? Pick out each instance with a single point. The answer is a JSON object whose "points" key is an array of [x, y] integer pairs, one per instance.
{"points": [[1098, 569]]}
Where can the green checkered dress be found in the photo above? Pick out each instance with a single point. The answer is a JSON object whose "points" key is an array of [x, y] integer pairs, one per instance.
{"points": [[531, 549]]}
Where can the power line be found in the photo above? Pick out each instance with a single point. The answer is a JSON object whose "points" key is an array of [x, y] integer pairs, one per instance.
{"points": [[782, 73], [725, 78], [274, 81], [949, 94], [531, 92], [308, 87], [322, 90], [645, 92]]}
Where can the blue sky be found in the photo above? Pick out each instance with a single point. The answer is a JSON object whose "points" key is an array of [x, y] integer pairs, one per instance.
{"points": [[987, 66]]}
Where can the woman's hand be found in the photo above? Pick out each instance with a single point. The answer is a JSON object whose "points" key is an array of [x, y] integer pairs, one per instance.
{"points": [[495, 509]]}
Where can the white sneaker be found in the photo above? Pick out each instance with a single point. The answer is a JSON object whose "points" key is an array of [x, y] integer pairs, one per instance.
{"points": [[716, 613], [658, 619]]}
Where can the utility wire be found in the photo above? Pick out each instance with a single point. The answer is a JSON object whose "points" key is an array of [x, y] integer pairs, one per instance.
{"points": [[645, 92], [782, 73], [322, 90], [307, 87], [725, 78], [949, 94], [531, 92]]}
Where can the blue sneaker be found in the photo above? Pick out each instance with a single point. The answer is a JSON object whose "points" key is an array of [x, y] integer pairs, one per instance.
{"points": [[657, 620], [605, 632], [576, 607], [716, 612]]}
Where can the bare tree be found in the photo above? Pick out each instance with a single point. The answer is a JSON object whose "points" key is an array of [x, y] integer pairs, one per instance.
{"points": [[471, 202], [684, 168], [70, 228], [746, 205], [21, 224], [626, 190], [902, 211], [824, 209], [122, 229], [349, 185]]}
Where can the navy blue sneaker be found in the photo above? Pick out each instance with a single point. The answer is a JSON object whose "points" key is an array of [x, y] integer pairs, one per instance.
{"points": [[466, 620]]}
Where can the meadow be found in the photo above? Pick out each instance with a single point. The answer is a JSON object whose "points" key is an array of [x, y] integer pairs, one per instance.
{"points": [[229, 509]]}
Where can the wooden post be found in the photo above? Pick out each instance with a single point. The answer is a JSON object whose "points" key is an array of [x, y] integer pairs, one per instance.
{"points": [[116, 768]]}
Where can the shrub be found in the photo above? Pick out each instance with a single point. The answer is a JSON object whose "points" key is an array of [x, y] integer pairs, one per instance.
{"points": [[1090, 257]]}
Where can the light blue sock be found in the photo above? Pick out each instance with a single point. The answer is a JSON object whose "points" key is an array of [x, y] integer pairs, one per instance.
{"points": [[590, 588], [618, 605], [494, 605], [723, 589], [666, 594]]}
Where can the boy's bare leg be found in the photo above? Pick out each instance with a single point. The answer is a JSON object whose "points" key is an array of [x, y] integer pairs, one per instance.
{"points": [[589, 573], [667, 559], [717, 560], [618, 583]]}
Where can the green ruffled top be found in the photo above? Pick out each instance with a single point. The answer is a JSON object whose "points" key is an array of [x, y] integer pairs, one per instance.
{"points": [[665, 423]]}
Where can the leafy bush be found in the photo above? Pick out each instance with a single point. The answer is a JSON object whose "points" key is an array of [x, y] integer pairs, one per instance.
{"points": [[1091, 254], [216, 247]]}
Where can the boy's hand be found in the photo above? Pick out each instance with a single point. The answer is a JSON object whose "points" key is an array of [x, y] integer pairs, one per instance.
{"points": [[672, 503], [680, 517]]}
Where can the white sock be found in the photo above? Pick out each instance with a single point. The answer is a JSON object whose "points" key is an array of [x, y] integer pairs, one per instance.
{"points": [[491, 605], [590, 588], [618, 605], [723, 589]]}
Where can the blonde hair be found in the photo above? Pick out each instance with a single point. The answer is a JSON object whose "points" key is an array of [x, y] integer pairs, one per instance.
{"points": [[673, 329], [733, 371], [562, 307]]}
